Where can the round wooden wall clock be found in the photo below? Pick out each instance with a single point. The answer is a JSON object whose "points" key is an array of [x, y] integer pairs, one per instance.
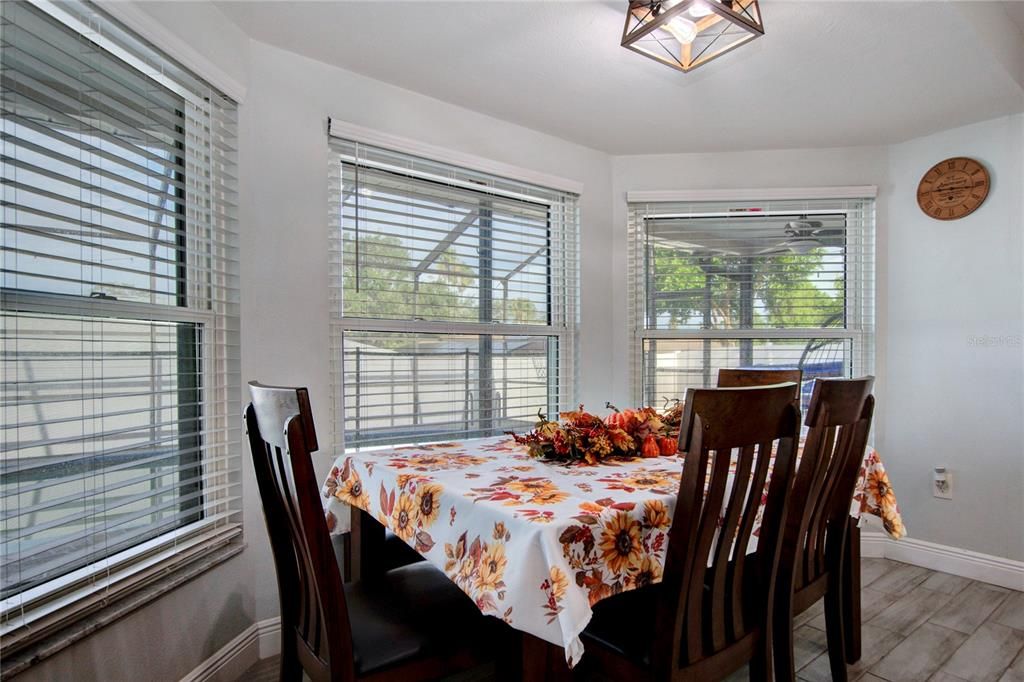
{"points": [[953, 188]]}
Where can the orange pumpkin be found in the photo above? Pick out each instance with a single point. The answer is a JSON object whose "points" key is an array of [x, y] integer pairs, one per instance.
{"points": [[620, 420], [667, 446], [650, 447]]}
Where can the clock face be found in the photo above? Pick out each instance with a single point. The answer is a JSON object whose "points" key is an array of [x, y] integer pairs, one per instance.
{"points": [[953, 188]]}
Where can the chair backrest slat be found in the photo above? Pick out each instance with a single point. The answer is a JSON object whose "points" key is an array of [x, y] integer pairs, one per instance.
{"points": [[720, 564], [740, 586], [839, 420], [716, 592], [314, 615], [707, 532]]}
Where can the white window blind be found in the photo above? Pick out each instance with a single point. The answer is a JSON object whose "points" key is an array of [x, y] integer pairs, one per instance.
{"points": [[453, 296], [771, 284], [119, 316]]}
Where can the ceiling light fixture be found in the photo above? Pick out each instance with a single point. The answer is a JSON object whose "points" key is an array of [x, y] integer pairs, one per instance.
{"points": [[683, 29], [699, 9], [685, 34]]}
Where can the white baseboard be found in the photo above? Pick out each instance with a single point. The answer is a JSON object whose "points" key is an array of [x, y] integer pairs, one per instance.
{"points": [[962, 562], [270, 637], [258, 641], [872, 544]]}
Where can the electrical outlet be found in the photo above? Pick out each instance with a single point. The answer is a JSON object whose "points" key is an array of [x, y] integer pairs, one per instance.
{"points": [[942, 484]]}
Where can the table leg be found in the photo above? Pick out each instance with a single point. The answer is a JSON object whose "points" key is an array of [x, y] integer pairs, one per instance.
{"points": [[543, 661], [851, 592], [366, 546], [534, 658]]}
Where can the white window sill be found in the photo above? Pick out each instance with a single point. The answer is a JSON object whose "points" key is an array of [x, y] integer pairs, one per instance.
{"points": [[86, 625]]}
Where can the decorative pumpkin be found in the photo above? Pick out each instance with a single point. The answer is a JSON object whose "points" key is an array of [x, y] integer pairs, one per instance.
{"points": [[650, 447], [620, 420], [667, 446]]}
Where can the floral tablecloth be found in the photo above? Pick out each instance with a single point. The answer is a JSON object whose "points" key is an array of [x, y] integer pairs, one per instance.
{"points": [[536, 543]]}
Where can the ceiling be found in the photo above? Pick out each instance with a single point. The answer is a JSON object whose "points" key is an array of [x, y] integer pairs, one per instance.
{"points": [[825, 74]]}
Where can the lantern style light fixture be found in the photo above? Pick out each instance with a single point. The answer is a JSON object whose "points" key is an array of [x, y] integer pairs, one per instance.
{"points": [[685, 34]]}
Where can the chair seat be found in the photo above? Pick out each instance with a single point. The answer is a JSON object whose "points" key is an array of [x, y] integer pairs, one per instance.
{"points": [[410, 612], [624, 624]]}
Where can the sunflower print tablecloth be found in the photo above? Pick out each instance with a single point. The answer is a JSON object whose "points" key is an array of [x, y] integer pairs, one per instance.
{"points": [[531, 542]]}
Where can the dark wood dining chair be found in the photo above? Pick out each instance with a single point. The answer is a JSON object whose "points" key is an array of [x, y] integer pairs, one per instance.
{"points": [[815, 536], [409, 623], [741, 378], [711, 613]]}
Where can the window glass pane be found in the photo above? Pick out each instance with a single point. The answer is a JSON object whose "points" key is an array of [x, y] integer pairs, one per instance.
{"points": [[101, 439], [671, 366], [416, 249], [406, 387], [93, 169], [732, 272], [783, 283]]}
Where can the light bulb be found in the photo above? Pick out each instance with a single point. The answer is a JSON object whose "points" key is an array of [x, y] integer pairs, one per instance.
{"points": [[683, 29], [699, 9]]}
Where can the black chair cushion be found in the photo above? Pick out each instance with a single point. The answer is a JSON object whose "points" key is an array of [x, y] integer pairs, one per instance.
{"points": [[624, 624], [412, 611]]}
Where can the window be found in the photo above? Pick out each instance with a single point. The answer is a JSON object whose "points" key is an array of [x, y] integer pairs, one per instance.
{"points": [[780, 284], [453, 297], [119, 317]]}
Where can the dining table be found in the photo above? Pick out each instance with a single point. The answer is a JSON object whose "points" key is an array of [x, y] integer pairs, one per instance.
{"points": [[537, 543]]}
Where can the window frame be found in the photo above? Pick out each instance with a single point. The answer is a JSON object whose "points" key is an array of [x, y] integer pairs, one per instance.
{"points": [[859, 275], [562, 273]]}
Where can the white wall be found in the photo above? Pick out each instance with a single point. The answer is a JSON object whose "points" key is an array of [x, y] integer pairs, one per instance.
{"points": [[949, 401]]}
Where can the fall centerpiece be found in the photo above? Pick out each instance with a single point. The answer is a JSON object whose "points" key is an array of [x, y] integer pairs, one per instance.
{"points": [[587, 438]]}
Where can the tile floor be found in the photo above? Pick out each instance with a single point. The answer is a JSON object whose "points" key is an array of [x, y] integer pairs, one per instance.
{"points": [[924, 625], [919, 626]]}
